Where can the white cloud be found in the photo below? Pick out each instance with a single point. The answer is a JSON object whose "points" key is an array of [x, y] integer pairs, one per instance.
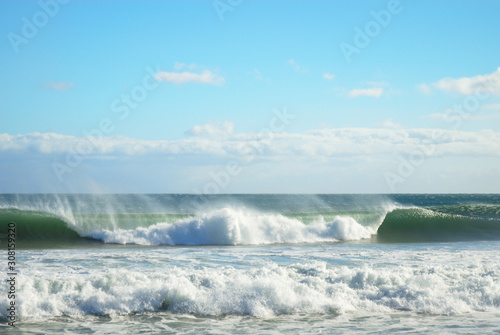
{"points": [[491, 107], [180, 66], [439, 116], [451, 116], [378, 83], [206, 77], [58, 86], [256, 74], [424, 88], [212, 129], [328, 76], [484, 117], [375, 92], [390, 124], [471, 85], [295, 66]]}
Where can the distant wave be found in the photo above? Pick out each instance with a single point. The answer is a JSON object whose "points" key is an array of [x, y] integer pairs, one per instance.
{"points": [[425, 225], [241, 226]]}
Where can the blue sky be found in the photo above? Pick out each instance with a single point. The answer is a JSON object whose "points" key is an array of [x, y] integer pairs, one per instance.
{"points": [[205, 79]]}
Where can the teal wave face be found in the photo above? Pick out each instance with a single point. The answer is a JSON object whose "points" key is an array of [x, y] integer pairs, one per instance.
{"points": [[38, 229], [424, 225]]}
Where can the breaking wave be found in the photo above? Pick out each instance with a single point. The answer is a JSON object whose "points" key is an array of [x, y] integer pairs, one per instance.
{"points": [[241, 226]]}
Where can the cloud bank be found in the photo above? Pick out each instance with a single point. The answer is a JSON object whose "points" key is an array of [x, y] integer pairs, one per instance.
{"points": [[348, 160], [314, 144]]}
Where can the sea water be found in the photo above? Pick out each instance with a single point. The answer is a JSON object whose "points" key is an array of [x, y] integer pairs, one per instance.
{"points": [[253, 264]]}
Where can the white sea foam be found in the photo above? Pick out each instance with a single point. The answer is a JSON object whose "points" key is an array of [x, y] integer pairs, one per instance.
{"points": [[262, 292], [233, 226]]}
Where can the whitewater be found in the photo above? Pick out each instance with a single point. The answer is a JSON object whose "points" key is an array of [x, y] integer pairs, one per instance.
{"points": [[252, 264]]}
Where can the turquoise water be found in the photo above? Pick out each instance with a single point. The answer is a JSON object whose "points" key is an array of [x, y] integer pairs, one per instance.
{"points": [[253, 264]]}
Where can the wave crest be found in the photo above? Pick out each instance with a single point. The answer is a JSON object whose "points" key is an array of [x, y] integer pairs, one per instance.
{"points": [[230, 226]]}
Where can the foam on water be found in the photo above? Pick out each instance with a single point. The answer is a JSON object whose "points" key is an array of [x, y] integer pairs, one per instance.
{"points": [[283, 276], [235, 226], [262, 292]]}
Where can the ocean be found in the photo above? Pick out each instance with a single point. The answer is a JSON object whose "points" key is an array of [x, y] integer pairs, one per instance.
{"points": [[251, 264]]}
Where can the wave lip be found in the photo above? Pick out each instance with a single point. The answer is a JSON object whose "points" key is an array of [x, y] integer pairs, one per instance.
{"points": [[230, 226]]}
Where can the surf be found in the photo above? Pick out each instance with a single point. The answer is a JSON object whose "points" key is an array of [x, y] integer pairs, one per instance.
{"points": [[264, 291], [58, 221]]}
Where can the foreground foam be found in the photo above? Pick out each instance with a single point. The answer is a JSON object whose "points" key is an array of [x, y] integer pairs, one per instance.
{"points": [[262, 292], [230, 226]]}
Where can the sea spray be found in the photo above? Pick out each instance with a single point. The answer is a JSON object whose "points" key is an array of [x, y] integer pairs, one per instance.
{"points": [[233, 226]]}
